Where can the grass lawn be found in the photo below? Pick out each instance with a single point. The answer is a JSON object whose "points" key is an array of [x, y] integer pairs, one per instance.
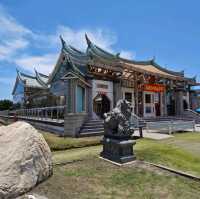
{"points": [[181, 152], [96, 178], [91, 177], [59, 143]]}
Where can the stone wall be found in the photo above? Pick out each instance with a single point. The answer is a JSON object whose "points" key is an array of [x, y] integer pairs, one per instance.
{"points": [[73, 123]]}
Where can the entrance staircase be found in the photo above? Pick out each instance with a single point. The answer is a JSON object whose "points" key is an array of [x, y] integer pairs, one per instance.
{"points": [[92, 127], [95, 127]]}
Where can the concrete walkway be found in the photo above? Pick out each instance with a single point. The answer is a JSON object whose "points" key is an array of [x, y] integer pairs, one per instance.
{"points": [[160, 136], [153, 135]]}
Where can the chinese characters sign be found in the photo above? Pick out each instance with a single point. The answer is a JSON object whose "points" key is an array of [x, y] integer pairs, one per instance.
{"points": [[154, 87]]}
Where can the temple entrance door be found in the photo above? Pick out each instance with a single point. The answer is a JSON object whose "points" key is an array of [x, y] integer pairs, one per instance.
{"points": [[157, 101], [128, 94], [101, 105], [149, 104]]}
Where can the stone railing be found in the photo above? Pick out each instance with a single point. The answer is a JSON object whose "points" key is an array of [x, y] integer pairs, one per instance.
{"points": [[56, 112], [170, 126], [4, 113], [136, 121], [190, 114]]}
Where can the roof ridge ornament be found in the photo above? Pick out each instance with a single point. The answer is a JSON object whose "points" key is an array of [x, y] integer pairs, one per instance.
{"points": [[153, 60], [18, 73], [195, 77], [62, 41], [118, 55], [35, 71], [89, 43], [17, 70]]}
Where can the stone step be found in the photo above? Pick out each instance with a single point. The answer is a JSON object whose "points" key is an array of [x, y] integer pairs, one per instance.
{"points": [[94, 122], [93, 133], [92, 126], [91, 130]]}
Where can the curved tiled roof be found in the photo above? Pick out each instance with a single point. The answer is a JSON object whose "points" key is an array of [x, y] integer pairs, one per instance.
{"points": [[148, 66], [96, 54], [74, 58], [41, 78], [94, 50], [75, 54], [30, 81]]}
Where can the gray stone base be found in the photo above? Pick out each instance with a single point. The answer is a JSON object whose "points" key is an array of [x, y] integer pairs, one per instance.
{"points": [[120, 151]]}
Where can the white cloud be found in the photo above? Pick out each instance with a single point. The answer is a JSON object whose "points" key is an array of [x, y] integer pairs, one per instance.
{"points": [[18, 41], [43, 64], [10, 47], [13, 36], [127, 54], [103, 38], [9, 25], [46, 62]]}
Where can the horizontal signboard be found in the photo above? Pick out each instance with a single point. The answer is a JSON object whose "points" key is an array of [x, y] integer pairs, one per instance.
{"points": [[154, 87]]}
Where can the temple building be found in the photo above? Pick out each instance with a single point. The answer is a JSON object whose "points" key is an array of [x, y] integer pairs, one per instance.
{"points": [[90, 83], [28, 89]]}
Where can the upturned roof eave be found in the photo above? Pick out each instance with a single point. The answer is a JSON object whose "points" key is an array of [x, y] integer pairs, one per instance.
{"points": [[94, 50], [39, 79], [56, 67]]}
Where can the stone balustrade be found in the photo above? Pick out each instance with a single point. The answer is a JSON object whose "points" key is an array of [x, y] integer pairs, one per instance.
{"points": [[56, 112]]}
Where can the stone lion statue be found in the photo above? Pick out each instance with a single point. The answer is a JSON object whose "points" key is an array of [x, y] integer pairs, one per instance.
{"points": [[117, 122]]}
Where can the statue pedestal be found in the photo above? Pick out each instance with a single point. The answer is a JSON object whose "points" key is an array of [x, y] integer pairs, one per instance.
{"points": [[118, 150]]}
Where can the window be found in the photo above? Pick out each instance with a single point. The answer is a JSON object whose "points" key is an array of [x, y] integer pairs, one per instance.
{"points": [[147, 98], [148, 109], [80, 99], [128, 97]]}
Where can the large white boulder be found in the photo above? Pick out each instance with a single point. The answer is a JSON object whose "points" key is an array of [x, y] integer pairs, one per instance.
{"points": [[25, 159]]}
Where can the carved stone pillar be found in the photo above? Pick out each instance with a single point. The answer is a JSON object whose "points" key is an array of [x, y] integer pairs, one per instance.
{"points": [[179, 102], [136, 92], [164, 103], [90, 100], [117, 92]]}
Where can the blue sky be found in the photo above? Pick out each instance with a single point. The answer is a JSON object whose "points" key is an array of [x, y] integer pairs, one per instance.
{"points": [[30, 29]]}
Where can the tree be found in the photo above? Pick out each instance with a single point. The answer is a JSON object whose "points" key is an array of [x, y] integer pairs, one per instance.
{"points": [[5, 104]]}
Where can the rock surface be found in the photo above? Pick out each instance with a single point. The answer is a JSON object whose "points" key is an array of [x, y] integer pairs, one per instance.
{"points": [[25, 159]]}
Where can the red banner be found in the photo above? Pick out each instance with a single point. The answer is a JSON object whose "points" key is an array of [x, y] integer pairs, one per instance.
{"points": [[154, 87]]}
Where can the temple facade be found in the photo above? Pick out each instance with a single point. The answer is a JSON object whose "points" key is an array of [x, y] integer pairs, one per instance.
{"points": [[90, 83], [31, 90]]}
